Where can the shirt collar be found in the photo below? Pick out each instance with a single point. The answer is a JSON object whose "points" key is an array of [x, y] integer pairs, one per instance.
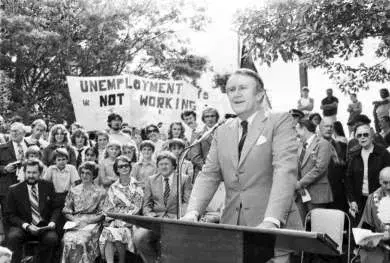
{"points": [[310, 140], [250, 118], [66, 169]]}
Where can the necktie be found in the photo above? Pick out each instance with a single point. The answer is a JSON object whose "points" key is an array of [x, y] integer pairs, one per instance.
{"points": [[244, 125], [20, 152], [79, 158], [166, 191], [301, 160], [36, 218]]}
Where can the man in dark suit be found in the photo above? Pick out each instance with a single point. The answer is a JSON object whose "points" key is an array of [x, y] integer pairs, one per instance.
{"points": [[313, 185], [29, 208], [11, 156]]}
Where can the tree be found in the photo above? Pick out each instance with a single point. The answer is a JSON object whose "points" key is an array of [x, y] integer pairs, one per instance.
{"points": [[44, 41], [323, 33]]}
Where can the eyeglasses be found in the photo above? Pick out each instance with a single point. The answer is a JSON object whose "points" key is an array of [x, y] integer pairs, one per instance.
{"points": [[360, 135], [123, 166]]}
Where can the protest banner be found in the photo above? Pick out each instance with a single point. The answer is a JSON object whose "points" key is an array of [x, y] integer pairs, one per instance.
{"points": [[140, 101]]}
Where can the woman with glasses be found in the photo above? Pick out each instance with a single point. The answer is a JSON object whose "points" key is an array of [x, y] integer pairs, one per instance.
{"points": [[363, 169], [124, 196], [58, 138], [153, 134]]}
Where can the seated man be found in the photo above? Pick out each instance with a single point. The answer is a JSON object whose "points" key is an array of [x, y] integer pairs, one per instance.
{"points": [[370, 220], [30, 207], [160, 201]]}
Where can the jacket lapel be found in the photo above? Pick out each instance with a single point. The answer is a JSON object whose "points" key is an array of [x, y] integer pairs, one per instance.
{"points": [[24, 196], [254, 131], [309, 149], [232, 136], [173, 191], [159, 187], [12, 151]]}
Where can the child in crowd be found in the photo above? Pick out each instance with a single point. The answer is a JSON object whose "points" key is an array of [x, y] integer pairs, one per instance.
{"points": [[91, 154], [130, 150], [32, 152], [146, 166], [176, 146], [107, 175]]}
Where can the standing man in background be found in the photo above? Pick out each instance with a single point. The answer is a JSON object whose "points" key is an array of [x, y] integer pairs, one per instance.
{"points": [[255, 155], [329, 106], [305, 104]]}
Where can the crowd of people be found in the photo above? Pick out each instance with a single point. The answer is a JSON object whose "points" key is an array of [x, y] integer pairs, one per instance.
{"points": [[58, 184]]}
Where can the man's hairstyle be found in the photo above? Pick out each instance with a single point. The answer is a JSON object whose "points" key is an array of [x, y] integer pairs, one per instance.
{"points": [[305, 89], [90, 166], [385, 91], [176, 142], [253, 74], [187, 113], [55, 129], [361, 118], [151, 127], [33, 162], [147, 143], [33, 149], [338, 128], [210, 110], [308, 124], [60, 152], [353, 94], [167, 155], [112, 117], [5, 252], [19, 126], [79, 133], [170, 135], [122, 158], [360, 124], [102, 133], [39, 122], [296, 113], [77, 125]]}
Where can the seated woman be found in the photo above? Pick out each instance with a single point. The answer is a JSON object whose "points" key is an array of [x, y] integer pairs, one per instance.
{"points": [[371, 221], [83, 210], [124, 196], [146, 166]]}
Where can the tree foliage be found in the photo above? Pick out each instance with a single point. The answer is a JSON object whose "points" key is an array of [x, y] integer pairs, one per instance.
{"points": [[44, 41], [323, 33]]}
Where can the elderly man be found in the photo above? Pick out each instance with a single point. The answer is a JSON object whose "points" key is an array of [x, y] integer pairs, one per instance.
{"points": [[255, 155], [11, 156], [371, 221], [38, 128]]}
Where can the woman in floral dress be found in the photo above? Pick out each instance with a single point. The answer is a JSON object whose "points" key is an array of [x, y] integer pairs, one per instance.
{"points": [[124, 196], [83, 211]]}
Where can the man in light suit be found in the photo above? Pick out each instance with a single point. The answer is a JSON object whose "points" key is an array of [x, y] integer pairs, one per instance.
{"points": [[255, 155], [313, 185], [160, 200]]}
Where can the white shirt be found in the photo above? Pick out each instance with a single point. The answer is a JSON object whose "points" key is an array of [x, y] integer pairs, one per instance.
{"points": [[365, 155], [16, 149]]}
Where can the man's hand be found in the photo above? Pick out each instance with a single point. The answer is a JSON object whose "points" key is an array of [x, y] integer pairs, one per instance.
{"points": [[10, 168], [190, 217], [52, 225], [34, 230], [267, 225]]}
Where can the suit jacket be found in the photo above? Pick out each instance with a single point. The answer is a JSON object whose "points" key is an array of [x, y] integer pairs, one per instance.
{"points": [[262, 183], [7, 155], [18, 210], [199, 152], [314, 170], [154, 196]]}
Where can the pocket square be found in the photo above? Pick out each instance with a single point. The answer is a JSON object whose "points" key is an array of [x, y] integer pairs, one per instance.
{"points": [[262, 139]]}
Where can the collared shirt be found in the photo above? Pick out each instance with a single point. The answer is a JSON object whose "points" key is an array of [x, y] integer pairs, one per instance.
{"points": [[62, 179], [16, 149], [249, 120], [310, 140], [365, 155]]}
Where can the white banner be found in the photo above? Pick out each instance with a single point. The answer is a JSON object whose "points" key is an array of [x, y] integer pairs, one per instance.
{"points": [[140, 101]]}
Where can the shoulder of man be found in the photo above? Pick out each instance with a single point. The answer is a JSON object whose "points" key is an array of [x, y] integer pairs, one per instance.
{"points": [[16, 187]]}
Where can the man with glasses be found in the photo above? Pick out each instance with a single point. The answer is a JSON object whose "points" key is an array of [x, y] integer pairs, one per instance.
{"points": [[11, 157], [363, 169]]}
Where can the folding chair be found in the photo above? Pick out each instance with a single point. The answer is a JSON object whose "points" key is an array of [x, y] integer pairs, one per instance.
{"points": [[332, 223]]}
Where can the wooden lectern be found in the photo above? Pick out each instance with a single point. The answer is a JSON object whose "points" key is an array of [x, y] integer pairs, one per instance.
{"points": [[189, 242]]}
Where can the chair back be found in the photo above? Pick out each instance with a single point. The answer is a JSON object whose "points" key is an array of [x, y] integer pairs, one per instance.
{"points": [[329, 221]]}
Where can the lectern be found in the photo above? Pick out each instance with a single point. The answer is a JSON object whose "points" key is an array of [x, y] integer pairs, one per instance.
{"points": [[189, 242]]}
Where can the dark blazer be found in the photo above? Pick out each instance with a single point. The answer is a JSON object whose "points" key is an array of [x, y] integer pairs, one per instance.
{"points": [[377, 160], [18, 210], [7, 155]]}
